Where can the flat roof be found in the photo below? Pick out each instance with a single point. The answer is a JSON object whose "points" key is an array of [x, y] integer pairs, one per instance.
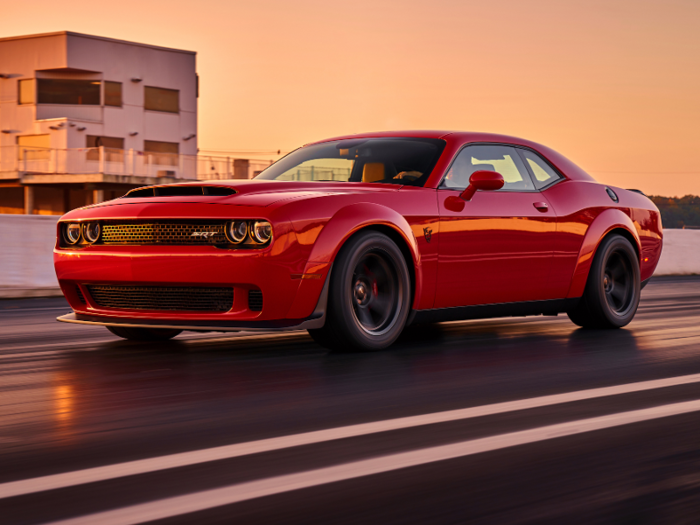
{"points": [[94, 37]]}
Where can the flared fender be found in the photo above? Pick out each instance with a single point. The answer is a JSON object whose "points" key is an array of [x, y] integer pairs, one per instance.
{"points": [[603, 224], [344, 223]]}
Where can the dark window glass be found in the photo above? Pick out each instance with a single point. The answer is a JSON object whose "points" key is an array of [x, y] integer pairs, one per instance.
{"points": [[67, 91], [160, 99], [26, 91], [502, 159], [113, 93], [93, 141], [405, 161], [163, 153], [113, 147], [543, 173]]}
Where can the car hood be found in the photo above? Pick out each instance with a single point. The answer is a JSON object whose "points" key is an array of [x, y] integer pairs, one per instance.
{"points": [[253, 192]]}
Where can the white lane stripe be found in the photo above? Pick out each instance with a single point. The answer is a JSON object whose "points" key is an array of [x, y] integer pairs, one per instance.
{"points": [[208, 499], [143, 466]]}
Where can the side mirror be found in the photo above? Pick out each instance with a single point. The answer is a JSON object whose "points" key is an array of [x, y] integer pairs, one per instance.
{"points": [[482, 180]]}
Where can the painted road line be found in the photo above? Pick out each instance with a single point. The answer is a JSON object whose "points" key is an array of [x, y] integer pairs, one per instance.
{"points": [[209, 499], [143, 466]]}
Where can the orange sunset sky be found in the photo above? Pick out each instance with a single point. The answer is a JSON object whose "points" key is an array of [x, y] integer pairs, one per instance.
{"points": [[613, 85]]}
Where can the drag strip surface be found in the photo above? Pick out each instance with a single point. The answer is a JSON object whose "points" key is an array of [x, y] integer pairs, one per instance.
{"points": [[541, 420]]}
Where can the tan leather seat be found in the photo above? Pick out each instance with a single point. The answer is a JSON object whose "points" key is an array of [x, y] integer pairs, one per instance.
{"points": [[373, 171]]}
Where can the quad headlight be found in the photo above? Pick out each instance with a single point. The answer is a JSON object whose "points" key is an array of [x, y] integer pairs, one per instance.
{"points": [[249, 232], [72, 232], [237, 231], [91, 231], [261, 231]]}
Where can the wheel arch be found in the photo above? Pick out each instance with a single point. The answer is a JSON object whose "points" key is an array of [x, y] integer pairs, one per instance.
{"points": [[609, 222], [352, 220]]}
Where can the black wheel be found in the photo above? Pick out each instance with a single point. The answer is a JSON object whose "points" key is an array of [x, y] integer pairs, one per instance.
{"points": [[612, 292], [143, 334], [369, 297]]}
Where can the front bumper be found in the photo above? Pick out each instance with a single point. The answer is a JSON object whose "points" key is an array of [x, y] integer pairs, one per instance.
{"points": [[290, 297]]}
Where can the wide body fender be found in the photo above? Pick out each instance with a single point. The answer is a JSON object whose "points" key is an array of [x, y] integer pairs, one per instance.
{"points": [[604, 223], [340, 227]]}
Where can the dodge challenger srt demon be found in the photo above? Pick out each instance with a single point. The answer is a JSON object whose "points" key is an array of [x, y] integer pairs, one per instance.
{"points": [[356, 237]]}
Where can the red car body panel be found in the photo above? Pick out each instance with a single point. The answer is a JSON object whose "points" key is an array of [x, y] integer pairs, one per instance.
{"points": [[497, 248]]}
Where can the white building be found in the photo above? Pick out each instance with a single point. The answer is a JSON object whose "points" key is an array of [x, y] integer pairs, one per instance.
{"points": [[85, 118]]}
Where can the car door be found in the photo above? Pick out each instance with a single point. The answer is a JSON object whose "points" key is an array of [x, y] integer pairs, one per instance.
{"points": [[497, 247]]}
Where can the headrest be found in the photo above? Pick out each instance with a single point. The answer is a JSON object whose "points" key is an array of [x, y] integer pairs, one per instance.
{"points": [[483, 167], [373, 171]]}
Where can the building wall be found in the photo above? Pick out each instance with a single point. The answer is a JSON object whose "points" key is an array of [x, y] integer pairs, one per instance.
{"points": [[105, 60]]}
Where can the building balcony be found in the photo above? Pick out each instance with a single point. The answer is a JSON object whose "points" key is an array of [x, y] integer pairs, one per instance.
{"points": [[107, 165]]}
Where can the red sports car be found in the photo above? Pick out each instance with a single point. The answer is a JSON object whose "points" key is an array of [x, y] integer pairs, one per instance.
{"points": [[356, 237]]}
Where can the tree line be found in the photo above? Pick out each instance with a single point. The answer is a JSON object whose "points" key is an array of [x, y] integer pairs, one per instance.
{"points": [[678, 212]]}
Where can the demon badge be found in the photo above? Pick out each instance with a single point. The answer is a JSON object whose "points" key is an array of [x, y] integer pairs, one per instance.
{"points": [[428, 234]]}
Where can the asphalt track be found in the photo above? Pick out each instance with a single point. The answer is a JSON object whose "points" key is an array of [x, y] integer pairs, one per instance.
{"points": [[501, 421]]}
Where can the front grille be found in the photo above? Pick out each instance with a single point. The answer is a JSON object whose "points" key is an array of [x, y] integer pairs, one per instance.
{"points": [[255, 300], [163, 298], [81, 297], [164, 232]]}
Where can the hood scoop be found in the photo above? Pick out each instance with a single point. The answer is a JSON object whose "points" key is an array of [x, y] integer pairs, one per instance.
{"points": [[180, 191]]}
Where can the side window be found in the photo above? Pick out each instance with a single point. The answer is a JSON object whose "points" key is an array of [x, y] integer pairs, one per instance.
{"points": [[503, 159], [543, 172]]}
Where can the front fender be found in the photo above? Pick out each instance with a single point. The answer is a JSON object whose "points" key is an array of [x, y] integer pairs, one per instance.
{"points": [[603, 224], [339, 228]]}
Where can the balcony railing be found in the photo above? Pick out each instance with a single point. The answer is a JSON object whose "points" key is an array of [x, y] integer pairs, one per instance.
{"points": [[110, 161]]}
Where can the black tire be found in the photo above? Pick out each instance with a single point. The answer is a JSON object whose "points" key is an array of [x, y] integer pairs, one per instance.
{"points": [[613, 289], [370, 266], [143, 334]]}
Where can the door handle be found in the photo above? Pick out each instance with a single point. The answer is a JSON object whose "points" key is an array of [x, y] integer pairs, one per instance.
{"points": [[541, 206]]}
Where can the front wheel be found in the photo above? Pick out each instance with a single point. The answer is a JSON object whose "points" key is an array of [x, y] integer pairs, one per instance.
{"points": [[143, 334], [613, 289], [369, 295]]}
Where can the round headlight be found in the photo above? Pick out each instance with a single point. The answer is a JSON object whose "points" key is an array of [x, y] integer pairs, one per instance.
{"points": [[237, 231], [73, 232], [91, 231], [262, 231]]}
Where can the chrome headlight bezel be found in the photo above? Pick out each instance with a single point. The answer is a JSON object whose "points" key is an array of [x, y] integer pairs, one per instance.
{"points": [[73, 228], [261, 231], [90, 234], [237, 231]]}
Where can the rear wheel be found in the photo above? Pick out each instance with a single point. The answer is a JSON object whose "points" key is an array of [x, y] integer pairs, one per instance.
{"points": [[369, 295], [143, 334], [613, 289]]}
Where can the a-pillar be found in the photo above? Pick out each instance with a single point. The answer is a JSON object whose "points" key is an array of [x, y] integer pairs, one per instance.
{"points": [[98, 196], [28, 200]]}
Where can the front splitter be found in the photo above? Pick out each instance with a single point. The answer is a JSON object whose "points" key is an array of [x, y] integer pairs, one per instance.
{"points": [[264, 326]]}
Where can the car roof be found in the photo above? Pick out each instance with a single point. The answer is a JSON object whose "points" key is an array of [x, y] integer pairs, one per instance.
{"points": [[458, 138]]}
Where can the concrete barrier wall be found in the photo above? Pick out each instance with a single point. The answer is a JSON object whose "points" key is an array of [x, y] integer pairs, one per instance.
{"points": [[26, 256], [681, 253], [27, 241]]}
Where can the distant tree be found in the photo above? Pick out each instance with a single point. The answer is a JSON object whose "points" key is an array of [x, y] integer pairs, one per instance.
{"points": [[677, 213]]}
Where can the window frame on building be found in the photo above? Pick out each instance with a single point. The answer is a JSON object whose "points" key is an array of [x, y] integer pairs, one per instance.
{"points": [[154, 102], [32, 90], [108, 98], [41, 97]]}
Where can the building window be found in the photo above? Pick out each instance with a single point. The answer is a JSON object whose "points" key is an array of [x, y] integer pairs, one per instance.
{"points": [[68, 91], [160, 99], [163, 153], [34, 147], [113, 94], [27, 91], [113, 147]]}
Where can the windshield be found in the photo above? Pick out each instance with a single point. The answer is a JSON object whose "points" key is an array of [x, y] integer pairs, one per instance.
{"points": [[406, 161]]}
